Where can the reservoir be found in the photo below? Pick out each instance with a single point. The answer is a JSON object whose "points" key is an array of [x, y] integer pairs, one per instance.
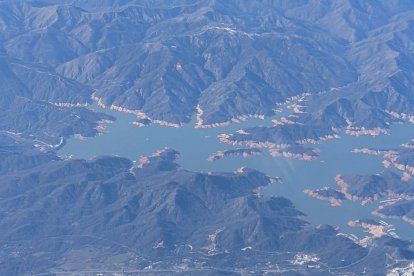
{"points": [[122, 138]]}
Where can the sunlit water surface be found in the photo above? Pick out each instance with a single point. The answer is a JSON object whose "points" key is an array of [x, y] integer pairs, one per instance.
{"points": [[195, 145]]}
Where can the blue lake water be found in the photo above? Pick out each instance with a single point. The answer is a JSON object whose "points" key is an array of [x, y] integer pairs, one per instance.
{"points": [[195, 145]]}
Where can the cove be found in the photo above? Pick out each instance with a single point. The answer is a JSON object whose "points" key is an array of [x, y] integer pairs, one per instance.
{"points": [[196, 144]]}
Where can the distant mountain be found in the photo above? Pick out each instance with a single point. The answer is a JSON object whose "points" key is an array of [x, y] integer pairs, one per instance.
{"points": [[169, 60]]}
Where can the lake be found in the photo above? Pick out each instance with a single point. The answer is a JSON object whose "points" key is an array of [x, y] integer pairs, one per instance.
{"points": [[196, 144]]}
